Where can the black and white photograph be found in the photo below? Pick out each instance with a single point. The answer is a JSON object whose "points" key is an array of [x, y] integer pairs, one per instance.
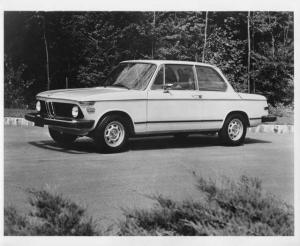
{"points": [[161, 122]]}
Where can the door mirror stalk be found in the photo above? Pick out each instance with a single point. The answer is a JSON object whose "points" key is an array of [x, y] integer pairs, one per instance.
{"points": [[167, 87]]}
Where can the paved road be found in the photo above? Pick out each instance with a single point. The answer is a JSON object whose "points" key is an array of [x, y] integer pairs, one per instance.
{"points": [[106, 182]]}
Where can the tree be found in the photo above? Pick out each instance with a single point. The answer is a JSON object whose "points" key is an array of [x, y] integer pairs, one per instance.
{"points": [[249, 50], [205, 36], [44, 47]]}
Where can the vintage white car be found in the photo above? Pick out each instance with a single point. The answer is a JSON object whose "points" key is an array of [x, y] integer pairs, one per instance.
{"points": [[142, 97]]}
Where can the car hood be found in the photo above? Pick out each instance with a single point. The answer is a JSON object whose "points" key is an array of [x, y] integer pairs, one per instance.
{"points": [[81, 94]]}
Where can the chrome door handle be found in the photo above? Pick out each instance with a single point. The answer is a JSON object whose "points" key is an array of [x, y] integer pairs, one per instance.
{"points": [[197, 96]]}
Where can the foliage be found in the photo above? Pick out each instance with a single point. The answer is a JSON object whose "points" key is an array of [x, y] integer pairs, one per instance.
{"points": [[227, 208], [273, 55], [15, 224], [16, 112], [15, 88], [83, 47], [230, 209], [51, 214], [284, 113], [280, 109]]}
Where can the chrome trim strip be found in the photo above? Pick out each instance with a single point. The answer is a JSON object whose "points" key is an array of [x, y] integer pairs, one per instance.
{"points": [[47, 109], [176, 121], [172, 131], [145, 99], [53, 112], [50, 113]]}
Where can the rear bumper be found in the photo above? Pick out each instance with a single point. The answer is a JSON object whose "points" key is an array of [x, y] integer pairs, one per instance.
{"points": [[59, 122], [268, 118]]}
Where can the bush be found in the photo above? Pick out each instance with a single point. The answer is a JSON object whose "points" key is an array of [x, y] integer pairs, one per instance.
{"points": [[232, 208], [15, 224], [240, 208], [281, 110], [51, 214]]}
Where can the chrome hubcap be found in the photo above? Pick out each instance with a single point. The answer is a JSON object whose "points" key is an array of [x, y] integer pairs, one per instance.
{"points": [[235, 129], [114, 134]]}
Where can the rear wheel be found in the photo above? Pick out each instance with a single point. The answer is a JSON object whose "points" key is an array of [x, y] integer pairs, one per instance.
{"points": [[62, 138], [112, 134], [234, 130]]}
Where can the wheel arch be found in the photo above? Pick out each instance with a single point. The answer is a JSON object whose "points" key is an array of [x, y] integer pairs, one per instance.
{"points": [[123, 114], [244, 114]]}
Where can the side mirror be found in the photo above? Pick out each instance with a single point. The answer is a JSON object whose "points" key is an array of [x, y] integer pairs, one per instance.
{"points": [[167, 87]]}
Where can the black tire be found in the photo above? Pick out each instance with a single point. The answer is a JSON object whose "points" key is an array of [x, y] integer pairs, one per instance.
{"points": [[112, 134], [229, 134], [63, 139]]}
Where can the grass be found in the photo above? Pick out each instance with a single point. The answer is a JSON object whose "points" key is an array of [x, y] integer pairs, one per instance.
{"points": [[227, 208]]}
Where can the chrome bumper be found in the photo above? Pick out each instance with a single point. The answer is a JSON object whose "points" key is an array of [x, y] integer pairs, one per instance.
{"points": [[59, 121]]}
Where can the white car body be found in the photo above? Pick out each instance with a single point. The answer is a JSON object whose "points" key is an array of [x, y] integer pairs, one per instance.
{"points": [[158, 111]]}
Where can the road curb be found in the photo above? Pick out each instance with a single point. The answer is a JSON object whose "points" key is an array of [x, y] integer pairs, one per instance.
{"points": [[279, 129], [13, 121]]}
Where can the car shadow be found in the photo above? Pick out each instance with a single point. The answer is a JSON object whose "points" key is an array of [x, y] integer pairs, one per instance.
{"points": [[85, 145], [81, 146], [189, 142]]}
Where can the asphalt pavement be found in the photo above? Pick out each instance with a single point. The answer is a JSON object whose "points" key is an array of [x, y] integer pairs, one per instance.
{"points": [[108, 183]]}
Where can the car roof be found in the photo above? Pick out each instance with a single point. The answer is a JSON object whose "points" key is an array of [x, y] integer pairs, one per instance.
{"points": [[159, 62]]}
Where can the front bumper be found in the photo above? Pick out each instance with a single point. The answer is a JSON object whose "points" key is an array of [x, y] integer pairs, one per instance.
{"points": [[59, 121], [268, 118]]}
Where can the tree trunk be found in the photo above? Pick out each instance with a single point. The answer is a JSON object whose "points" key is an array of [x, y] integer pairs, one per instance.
{"points": [[67, 82], [272, 36], [47, 54], [273, 45], [249, 50], [153, 30], [205, 36], [253, 49]]}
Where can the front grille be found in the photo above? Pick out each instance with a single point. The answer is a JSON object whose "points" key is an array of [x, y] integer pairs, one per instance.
{"points": [[52, 109], [65, 109]]}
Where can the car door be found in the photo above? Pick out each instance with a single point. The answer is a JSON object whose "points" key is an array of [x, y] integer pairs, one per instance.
{"points": [[216, 100], [173, 100]]}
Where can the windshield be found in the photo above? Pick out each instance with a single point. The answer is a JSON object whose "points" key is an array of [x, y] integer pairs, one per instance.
{"points": [[131, 75]]}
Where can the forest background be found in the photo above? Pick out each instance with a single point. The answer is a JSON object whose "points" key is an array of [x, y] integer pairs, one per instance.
{"points": [[53, 50]]}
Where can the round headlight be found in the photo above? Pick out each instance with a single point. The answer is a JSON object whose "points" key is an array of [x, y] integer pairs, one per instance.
{"points": [[38, 106], [75, 111]]}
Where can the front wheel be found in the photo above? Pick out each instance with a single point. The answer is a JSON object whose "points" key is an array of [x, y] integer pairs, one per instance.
{"points": [[112, 134], [61, 138], [234, 130]]}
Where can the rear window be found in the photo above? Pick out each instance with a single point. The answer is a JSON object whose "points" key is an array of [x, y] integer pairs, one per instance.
{"points": [[209, 79]]}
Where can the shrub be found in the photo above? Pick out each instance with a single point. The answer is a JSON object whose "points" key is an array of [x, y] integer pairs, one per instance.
{"points": [[50, 214], [225, 208], [240, 208], [281, 110], [15, 224]]}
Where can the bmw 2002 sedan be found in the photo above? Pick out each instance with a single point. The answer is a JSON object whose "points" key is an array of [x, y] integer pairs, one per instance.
{"points": [[143, 97]]}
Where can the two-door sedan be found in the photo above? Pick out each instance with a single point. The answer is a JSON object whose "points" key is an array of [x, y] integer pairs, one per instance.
{"points": [[143, 97]]}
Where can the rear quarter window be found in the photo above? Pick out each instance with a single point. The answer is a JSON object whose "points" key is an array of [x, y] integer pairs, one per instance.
{"points": [[209, 79]]}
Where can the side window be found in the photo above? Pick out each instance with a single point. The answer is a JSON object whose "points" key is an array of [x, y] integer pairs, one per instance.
{"points": [[209, 79], [159, 80], [181, 77]]}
